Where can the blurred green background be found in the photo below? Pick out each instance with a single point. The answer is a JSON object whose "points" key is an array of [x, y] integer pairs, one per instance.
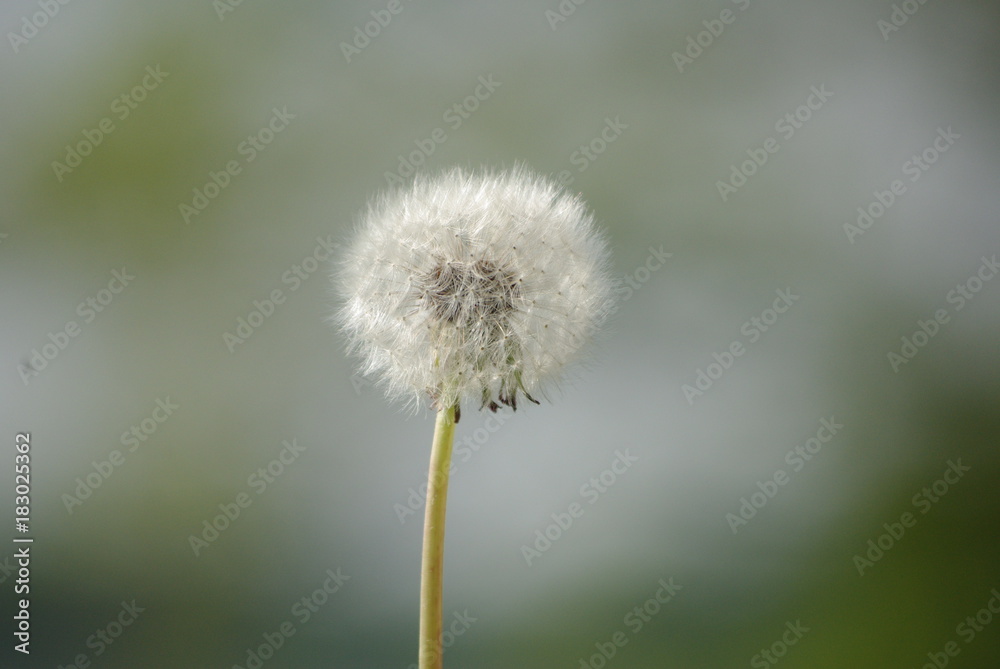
{"points": [[311, 117]]}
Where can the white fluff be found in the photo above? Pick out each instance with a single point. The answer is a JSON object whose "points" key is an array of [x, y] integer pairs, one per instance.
{"points": [[473, 285]]}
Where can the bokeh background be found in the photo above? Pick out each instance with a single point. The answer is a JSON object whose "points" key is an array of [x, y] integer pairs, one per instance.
{"points": [[566, 78]]}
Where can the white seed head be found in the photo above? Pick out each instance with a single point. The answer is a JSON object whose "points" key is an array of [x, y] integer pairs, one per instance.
{"points": [[473, 285]]}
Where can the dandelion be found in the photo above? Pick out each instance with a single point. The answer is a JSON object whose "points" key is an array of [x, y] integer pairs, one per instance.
{"points": [[470, 286]]}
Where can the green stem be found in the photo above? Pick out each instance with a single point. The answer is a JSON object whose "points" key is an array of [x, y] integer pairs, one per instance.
{"points": [[433, 555]]}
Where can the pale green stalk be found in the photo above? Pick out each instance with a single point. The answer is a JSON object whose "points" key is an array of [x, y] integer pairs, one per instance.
{"points": [[431, 576]]}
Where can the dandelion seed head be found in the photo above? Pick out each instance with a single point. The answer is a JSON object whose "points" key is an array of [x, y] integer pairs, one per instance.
{"points": [[473, 285]]}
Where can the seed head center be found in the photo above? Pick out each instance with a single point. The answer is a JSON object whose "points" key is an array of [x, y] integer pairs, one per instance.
{"points": [[463, 292]]}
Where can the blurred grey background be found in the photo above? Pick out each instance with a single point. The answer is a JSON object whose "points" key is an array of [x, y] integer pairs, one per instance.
{"points": [[213, 151]]}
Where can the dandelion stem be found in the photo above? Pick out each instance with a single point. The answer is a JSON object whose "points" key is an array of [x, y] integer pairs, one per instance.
{"points": [[433, 555]]}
